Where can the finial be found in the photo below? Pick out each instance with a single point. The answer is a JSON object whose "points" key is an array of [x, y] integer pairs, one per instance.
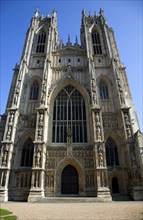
{"points": [[76, 41], [54, 13], [101, 12], [83, 12], [36, 13], [68, 38]]}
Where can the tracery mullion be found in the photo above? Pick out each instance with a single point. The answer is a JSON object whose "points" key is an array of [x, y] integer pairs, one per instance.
{"points": [[82, 121], [56, 121]]}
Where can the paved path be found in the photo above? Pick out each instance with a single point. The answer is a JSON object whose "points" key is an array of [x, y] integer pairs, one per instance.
{"points": [[76, 211]]}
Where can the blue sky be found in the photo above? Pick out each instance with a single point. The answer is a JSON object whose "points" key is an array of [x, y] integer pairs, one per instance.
{"points": [[125, 17]]}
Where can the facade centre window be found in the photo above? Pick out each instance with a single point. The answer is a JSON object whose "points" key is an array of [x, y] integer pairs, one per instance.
{"points": [[69, 112]]}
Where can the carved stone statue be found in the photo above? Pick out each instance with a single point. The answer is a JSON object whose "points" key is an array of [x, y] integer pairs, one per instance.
{"points": [[8, 135], [98, 133], [100, 157], [5, 156], [41, 118], [15, 99], [40, 130], [38, 158], [11, 118]]}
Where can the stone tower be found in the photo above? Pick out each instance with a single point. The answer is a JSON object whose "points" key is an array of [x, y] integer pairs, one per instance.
{"points": [[70, 127]]}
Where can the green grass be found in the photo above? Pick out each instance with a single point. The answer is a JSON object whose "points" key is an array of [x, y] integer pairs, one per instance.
{"points": [[10, 217], [4, 215], [4, 212]]}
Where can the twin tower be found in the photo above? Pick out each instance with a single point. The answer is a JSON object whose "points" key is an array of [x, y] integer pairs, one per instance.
{"points": [[70, 128]]}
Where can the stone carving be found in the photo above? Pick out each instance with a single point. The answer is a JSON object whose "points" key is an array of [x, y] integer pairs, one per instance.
{"points": [[120, 91], [97, 118], [49, 179], [100, 156], [40, 134], [110, 122], [5, 155], [9, 131], [15, 99], [41, 118], [127, 124], [88, 162], [43, 91], [50, 164], [98, 126], [40, 126], [27, 122], [17, 87], [38, 157], [11, 118], [83, 152]]}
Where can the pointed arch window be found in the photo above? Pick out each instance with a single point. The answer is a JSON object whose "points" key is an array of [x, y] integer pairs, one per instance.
{"points": [[34, 91], [111, 153], [41, 42], [96, 42], [69, 112], [103, 90], [27, 153]]}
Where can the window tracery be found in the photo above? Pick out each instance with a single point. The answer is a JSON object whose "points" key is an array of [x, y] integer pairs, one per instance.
{"points": [[69, 112], [27, 153], [111, 153]]}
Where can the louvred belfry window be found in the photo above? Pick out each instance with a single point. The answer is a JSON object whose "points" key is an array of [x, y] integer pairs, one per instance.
{"points": [[41, 42], [96, 43], [69, 111]]}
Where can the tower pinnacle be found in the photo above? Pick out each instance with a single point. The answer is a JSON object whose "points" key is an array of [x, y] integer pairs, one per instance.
{"points": [[36, 13]]}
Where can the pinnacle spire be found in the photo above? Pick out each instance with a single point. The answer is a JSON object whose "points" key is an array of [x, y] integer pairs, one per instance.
{"points": [[36, 13], [76, 41], [101, 12], [83, 12], [54, 13], [68, 38]]}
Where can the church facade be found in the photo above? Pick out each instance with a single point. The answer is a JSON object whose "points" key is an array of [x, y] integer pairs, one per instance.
{"points": [[70, 128]]}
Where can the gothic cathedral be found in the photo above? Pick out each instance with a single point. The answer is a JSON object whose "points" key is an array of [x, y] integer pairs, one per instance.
{"points": [[70, 128]]}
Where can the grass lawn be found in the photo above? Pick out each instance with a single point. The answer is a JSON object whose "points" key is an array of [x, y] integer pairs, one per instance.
{"points": [[6, 215]]}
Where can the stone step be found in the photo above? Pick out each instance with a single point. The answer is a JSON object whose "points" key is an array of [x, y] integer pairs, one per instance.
{"points": [[68, 200], [121, 198]]}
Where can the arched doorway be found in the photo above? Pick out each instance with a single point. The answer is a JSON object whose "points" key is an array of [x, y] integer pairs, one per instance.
{"points": [[69, 180], [115, 185]]}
